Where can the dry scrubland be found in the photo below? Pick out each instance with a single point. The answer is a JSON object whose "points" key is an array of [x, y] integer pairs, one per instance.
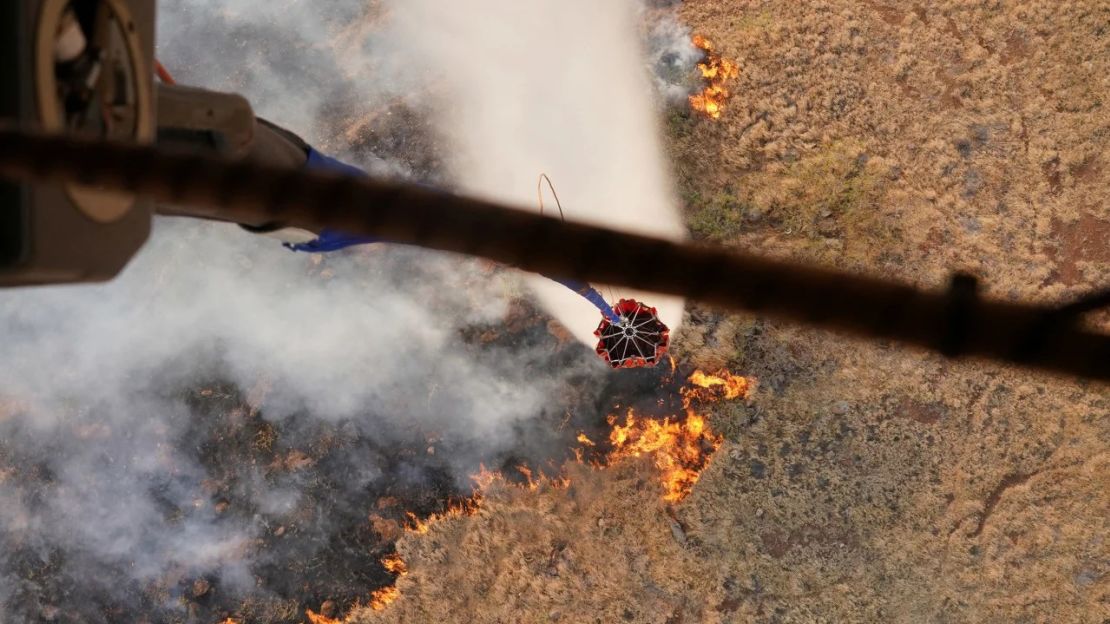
{"points": [[862, 482]]}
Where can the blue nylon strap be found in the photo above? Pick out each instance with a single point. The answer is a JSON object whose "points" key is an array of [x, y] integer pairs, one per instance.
{"points": [[321, 162], [330, 240], [589, 293]]}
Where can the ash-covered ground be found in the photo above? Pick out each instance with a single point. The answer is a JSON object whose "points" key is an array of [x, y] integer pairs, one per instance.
{"points": [[192, 491]]}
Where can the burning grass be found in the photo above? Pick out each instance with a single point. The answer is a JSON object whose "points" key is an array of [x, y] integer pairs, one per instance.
{"points": [[316, 618], [717, 72], [679, 447]]}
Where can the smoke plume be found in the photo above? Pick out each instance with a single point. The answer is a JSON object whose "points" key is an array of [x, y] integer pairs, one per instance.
{"points": [[557, 87]]}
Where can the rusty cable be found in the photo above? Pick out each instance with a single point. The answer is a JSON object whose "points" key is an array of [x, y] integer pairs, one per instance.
{"points": [[957, 322]]}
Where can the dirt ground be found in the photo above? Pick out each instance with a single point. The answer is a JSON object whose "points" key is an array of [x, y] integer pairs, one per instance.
{"points": [[862, 482]]}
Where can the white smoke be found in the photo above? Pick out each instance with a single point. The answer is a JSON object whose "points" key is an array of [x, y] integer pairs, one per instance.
{"points": [[557, 87], [93, 417], [93, 372], [671, 55]]}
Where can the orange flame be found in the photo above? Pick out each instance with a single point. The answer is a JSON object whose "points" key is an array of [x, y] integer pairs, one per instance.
{"points": [[316, 618], [716, 71], [485, 478], [527, 473], [456, 509], [416, 524], [381, 598], [681, 450], [395, 564], [732, 385]]}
